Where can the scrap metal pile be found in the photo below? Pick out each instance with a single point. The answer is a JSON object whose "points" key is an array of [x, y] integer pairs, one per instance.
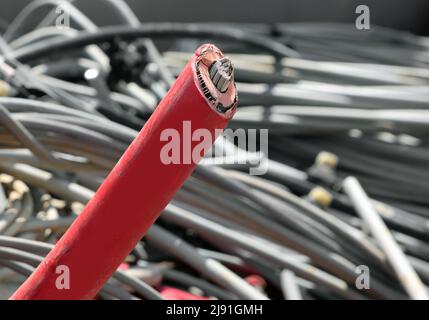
{"points": [[337, 102]]}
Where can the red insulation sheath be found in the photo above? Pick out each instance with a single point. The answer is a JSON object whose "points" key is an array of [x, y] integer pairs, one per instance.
{"points": [[131, 198]]}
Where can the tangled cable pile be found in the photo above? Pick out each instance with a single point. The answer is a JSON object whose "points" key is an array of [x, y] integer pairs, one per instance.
{"points": [[337, 102]]}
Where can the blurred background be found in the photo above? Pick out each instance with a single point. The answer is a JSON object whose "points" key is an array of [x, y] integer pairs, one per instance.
{"points": [[408, 15], [347, 112]]}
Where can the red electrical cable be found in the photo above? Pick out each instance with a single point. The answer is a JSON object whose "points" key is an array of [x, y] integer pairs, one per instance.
{"points": [[169, 293], [140, 185]]}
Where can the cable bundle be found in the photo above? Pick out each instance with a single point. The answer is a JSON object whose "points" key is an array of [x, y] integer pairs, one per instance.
{"points": [[337, 102]]}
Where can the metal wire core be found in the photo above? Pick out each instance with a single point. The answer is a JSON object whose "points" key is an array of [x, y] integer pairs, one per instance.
{"points": [[216, 78], [222, 74]]}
